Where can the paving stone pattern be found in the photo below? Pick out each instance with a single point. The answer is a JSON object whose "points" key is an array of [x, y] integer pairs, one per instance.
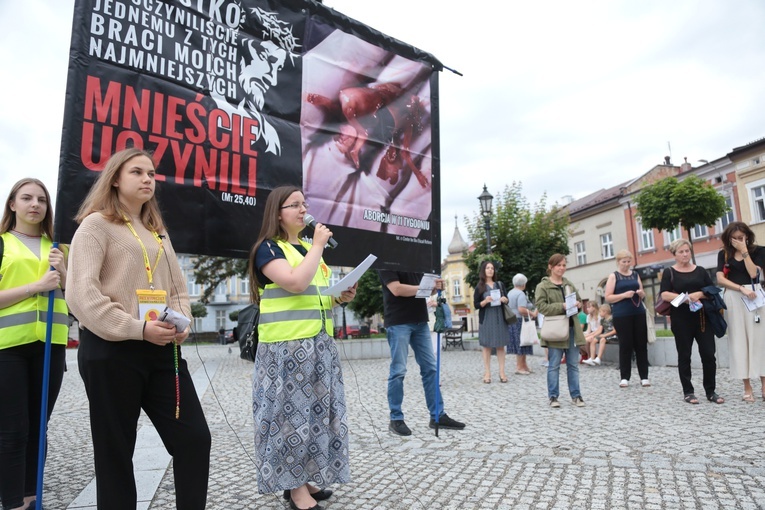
{"points": [[633, 448]]}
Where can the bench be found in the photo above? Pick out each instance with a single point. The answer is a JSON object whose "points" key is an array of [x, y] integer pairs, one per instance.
{"points": [[453, 335]]}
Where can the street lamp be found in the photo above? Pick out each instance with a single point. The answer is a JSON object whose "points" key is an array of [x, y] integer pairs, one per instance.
{"points": [[485, 199], [343, 305]]}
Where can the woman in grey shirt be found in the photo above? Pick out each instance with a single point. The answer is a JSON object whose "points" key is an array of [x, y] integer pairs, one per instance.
{"points": [[523, 310]]}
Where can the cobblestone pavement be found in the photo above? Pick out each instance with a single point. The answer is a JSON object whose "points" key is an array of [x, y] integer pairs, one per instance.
{"points": [[635, 448]]}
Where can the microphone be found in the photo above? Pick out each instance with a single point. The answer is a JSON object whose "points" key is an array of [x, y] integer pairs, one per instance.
{"points": [[310, 221]]}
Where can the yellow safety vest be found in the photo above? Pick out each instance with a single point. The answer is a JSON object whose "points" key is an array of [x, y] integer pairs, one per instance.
{"points": [[25, 322], [286, 315]]}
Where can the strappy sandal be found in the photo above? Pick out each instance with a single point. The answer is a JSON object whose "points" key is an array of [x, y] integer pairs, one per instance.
{"points": [[715, 398], [691, 398], [748, 398], [487, 381]]}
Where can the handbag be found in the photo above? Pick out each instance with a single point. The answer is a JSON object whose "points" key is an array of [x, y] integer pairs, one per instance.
{"points": [[650, 327], [663, 307], [528, 332], [555, 328], [248, 331], [510, 317], [440, 325]]}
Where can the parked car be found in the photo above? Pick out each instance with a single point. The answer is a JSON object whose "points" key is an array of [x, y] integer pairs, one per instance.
{"points": [[353, 331]]}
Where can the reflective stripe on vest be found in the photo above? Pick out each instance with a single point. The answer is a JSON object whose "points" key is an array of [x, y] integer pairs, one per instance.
{"points": [[25, 322], [287, 315]]}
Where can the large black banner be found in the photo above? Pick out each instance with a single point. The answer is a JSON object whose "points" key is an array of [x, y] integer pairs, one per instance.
{"points": [[237, 97]]}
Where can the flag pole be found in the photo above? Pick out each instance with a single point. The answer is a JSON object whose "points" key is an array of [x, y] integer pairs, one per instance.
{"points": [[42, 446], [438, 366]]}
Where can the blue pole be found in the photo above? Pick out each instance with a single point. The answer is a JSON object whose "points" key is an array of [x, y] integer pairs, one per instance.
{"points": [[438, 366], [44, 400]]}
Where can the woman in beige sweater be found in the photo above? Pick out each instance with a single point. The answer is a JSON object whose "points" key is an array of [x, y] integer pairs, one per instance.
{"points": [[123, 271]]}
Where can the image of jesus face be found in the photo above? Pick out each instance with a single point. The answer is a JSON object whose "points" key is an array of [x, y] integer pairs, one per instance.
{"points": [[259, 69]]}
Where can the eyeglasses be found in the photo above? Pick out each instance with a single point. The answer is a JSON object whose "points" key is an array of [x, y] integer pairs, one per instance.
{"points": [[295, 205]]}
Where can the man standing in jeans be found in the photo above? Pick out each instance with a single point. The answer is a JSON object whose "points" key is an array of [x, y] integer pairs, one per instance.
{"points": [[406, 323]]}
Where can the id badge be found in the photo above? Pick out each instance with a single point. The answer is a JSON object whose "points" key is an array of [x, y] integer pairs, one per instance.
{"points": [[151, 303]]}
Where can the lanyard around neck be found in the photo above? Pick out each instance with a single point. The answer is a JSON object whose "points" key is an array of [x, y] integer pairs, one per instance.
{"points": [[146, 264]]}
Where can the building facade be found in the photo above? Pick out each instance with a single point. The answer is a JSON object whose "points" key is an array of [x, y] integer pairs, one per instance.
{"points": [[596, 233], [607, 221], [749, 164], [459, 295]]}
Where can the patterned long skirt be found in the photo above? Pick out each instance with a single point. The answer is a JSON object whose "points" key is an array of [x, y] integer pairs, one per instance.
{"points": [[301, 429]]}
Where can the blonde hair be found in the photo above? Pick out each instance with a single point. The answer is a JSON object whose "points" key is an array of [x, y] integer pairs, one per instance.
{"points": [[594, 306], [677, 243], [623, 254], [605, 307], [103, 196], [9, 216]]}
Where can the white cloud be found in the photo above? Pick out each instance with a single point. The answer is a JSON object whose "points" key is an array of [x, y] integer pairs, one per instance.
{"points": [[567, 97]]}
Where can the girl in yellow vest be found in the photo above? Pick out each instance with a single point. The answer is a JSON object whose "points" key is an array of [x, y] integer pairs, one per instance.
{"points": [[124, 271], [301, 427], [25, 281]]}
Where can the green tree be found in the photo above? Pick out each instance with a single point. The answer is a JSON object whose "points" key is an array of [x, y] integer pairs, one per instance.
{"points": [[198, 310], [524, 237], [668, 203], [210, 271], [369, 299], [234, 316]]}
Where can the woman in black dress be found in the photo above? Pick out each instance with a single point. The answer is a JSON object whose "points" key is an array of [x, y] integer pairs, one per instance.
{"points": [[488, 298], [689, 321]]}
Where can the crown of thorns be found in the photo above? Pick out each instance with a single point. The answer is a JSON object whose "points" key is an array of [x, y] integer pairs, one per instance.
{"points": [[277, 31]]}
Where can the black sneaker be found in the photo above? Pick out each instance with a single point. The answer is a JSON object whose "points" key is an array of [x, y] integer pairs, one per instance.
{"points": [[554, 402], [399, 428], [444, 422]]}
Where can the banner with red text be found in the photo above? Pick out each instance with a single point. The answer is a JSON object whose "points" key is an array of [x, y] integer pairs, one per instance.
{"points": [[237, 97]]}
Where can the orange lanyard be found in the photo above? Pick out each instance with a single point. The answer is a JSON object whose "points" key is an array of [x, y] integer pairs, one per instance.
{"points": [[147, 265]]}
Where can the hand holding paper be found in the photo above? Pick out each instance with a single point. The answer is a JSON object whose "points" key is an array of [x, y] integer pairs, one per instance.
{"points": [[495, 296], [571, 308], [427, 285], [757, 302]]}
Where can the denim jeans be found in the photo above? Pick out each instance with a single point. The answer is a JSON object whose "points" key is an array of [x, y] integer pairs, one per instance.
{"points": [[399, 339], [572, 368]]}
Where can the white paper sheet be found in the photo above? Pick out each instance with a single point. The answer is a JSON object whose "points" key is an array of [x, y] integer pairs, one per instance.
{"points": [[495, 297], [680, 299], [571, 308], [427, 284], [351, 278], [757, 302]]}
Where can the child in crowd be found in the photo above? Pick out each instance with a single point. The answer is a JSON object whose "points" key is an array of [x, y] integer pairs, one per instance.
{"points": [[593, 322], [604, 332]]}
